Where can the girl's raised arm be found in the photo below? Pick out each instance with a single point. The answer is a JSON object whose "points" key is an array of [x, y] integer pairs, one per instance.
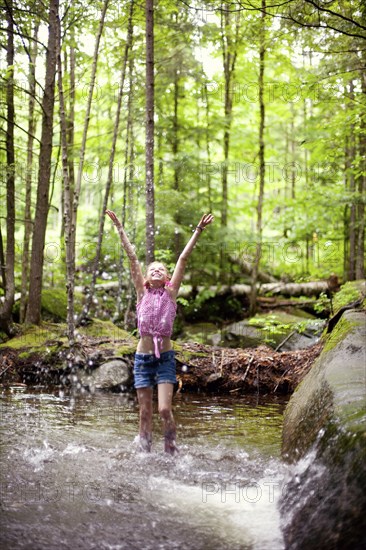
{"points": [[178, 274], [136, 273]]}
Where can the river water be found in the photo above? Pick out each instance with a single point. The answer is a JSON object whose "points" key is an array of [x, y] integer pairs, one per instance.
{"points": [[72, 478]]}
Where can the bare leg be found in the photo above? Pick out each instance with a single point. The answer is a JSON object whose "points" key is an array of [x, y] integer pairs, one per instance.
{"points": [[145, 396], [165, 396]]}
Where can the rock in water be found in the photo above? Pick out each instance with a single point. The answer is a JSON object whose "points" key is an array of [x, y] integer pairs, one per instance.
{"points": [[113, 374], [324, 437]]}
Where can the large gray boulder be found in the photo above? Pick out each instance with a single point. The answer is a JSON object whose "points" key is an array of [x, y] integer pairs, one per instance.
{"points": [[115, 374], [324, 439]]}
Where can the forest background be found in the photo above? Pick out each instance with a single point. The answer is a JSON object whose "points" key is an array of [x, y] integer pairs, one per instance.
{"points": [[161, 111]]}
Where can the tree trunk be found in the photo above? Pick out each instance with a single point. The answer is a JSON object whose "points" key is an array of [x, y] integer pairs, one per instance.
{"points": [[352, 189], [208, 148], [72, 193], [346, 211], [111, 162], [70, 252], [361, 180], [87, 114], [128, 198], [175, 151], [293, 170], [2, 260], [71, 112], [229, 51], [33, 315], [7, 306], [33, 50], [259, 228], [149, 158]]}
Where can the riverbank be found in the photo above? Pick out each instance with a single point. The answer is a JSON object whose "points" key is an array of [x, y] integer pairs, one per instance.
{"points": [[40, 356]]}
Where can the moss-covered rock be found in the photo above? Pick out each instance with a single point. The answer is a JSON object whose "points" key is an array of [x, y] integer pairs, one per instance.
{"points": [[47, 345], [37, 339], [105, 329], [272, 328], [202, 332], [54, 304], [324, 434]]}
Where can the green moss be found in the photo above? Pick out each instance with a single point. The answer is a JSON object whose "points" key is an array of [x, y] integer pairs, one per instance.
{"points": [[33, 337], [41, 340], [184, 356], [105, 329], [24, 355], [126, 349], [54, 303], [51, 337], [177, 347], [278, 318], [342, 328]]}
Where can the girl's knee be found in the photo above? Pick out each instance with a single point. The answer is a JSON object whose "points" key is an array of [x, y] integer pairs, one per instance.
{"points": [[165, 412]]}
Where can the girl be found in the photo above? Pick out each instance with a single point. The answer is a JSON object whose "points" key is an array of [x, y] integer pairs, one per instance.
{"points": [[154, 358]]}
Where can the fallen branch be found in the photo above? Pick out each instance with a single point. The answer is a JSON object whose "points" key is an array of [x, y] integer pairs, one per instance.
{"points": [[285, 340]]}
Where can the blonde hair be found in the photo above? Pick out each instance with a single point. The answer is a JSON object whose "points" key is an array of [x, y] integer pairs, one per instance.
{"points": [[167, 283]]}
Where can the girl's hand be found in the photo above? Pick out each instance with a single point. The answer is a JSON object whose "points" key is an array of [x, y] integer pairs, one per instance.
{"points": [[114, 218], [205, 220]]}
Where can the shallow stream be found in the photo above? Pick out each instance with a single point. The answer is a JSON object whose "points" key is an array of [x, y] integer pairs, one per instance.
{"points": [[72, 478]]}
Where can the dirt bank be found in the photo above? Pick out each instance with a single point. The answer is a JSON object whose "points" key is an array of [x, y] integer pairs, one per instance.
{"points": [[199, 367]]}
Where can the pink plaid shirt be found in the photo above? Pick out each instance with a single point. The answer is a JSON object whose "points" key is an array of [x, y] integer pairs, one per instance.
{"points": [[155, 315]]}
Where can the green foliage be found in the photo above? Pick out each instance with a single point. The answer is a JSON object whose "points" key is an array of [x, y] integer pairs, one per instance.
{"points": [[350, 292], [311, 119], [272, 326], [202, 296], [182, 301], [322, 304]]}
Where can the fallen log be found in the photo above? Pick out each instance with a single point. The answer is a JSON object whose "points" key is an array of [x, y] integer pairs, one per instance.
{"points": [[273, 302], [314, 288]]}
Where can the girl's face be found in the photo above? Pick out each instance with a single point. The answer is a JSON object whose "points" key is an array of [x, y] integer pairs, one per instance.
{"points": [[157, 274]]}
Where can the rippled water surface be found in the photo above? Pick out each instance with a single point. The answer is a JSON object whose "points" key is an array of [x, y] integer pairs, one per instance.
{"points": [[71, 477]]}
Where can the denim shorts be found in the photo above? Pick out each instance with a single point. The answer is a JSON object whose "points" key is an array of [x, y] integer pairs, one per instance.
{"points": [[150, 370]]}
